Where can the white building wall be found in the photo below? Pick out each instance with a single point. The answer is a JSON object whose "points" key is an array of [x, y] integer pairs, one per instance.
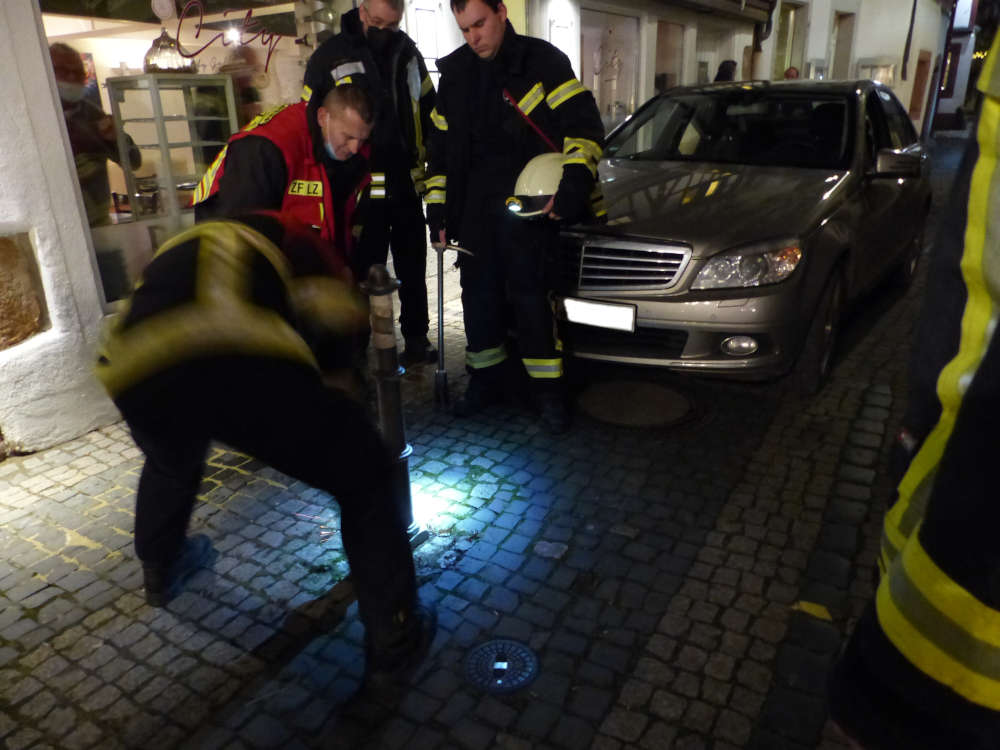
{"points": [[881, 32], [47, 391]]}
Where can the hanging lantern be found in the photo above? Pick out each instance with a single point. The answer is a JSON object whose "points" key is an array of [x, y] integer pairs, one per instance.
{"points": [[165, 57]]}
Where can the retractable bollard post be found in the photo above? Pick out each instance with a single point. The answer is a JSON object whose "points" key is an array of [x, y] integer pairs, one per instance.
{"points": [[379, 288]]}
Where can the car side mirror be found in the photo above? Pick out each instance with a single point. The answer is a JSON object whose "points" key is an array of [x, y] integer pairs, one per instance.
{"points": [[893, 163]]}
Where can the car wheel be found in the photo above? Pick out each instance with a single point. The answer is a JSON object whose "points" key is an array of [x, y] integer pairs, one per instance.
{"points": [[816, 358], [903, 274]]}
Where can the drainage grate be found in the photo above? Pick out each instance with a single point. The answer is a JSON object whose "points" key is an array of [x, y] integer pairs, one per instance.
{"points": [[501, 666], [634, 403]]}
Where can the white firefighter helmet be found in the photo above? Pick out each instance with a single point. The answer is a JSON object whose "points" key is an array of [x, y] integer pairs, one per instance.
{"points": [[536, 184]]}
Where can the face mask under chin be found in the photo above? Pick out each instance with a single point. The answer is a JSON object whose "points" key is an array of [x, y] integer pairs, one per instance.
{"points": [[380, 39], [71, 93]]}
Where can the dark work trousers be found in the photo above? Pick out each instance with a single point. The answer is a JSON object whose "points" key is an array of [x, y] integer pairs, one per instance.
{"points": [[506, 276], [280, 413], [397, 221]]}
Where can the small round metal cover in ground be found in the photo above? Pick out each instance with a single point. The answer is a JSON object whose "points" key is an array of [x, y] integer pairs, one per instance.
{"points": [[501, 666], [634, 403]]}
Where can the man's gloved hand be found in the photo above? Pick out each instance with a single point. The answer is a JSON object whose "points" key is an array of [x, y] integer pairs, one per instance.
{"points": [[572, 199], [435, 220]]}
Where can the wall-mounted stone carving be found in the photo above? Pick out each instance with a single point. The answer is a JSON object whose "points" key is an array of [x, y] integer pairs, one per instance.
{"points": [[22, 297]]}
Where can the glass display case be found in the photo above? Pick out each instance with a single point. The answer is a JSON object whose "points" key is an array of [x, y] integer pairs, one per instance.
{"points": [[179, 121]]}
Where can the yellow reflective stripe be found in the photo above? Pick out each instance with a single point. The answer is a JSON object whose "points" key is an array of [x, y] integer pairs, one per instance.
{"points": [[587, 146], [583, 160], [376, 192], [201, 192], [219, 319], [544, 368], [342, 81], [437, 181], [434, 196], [438, 119], [532, 99], [378, 178], [418, 132], [306, 93], [920, 610], [565, 91], [486, 357], [979, 311], [426, 85]]}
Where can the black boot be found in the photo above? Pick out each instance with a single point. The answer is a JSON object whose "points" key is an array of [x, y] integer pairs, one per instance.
{"points": [[163, 582], [418, 351], [553, 406], [393, 652], [484, 390]]}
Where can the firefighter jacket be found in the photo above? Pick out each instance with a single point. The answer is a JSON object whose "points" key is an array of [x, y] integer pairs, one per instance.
{"points": [[307, 193], [538, 78], [222, 288], [397, 79], [922, 668]]}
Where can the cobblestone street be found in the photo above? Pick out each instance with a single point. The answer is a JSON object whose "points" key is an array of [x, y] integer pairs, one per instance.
{"points": [[683, 587]]}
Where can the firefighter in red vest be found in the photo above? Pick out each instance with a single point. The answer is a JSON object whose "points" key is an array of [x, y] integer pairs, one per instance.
{"points": [[308, 160]]}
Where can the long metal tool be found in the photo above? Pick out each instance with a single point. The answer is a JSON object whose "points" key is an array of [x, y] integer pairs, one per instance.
{"points": [[441, 396]]}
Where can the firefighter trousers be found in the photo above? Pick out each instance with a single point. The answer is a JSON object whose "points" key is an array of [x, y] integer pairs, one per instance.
{"points": [[280, 413], [504, 287], [396, 222]]}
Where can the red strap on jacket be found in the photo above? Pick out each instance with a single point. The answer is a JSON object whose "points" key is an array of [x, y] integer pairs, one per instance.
{"points": [[508, 97]]}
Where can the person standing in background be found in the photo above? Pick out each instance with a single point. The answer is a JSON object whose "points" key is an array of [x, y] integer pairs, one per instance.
{"points": [[392, 215]]}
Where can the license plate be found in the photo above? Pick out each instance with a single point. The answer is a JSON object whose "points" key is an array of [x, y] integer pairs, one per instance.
{"points": [[600, 314]]}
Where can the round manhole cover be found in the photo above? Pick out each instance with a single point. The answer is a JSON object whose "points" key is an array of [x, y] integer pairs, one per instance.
{"points": [[501, 666], [634, 403]]}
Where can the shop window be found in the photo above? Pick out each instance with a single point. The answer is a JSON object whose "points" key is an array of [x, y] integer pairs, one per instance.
{"points": [[22, 298], [669, 56], [789, 44], [610, 65]]}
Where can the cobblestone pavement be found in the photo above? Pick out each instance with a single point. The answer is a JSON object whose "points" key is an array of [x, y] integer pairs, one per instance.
{"points": [[697, 581]]}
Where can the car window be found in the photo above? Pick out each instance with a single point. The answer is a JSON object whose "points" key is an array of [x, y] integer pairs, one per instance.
{"points": [[876, 131], [901, 131], [763, 127]]}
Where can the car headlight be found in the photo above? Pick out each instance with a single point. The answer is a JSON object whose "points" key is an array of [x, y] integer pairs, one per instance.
{"points": [[753, 268]]}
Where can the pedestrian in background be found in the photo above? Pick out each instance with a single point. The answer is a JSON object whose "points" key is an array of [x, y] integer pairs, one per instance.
{"points": [[920, 670], [490, 88], [210, 347], [791, 73], [726, 71], [392, 214]]}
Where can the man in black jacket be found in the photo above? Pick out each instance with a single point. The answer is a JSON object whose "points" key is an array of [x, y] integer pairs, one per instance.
{"points": [[482, 139], [391, 212], [212, 345]]}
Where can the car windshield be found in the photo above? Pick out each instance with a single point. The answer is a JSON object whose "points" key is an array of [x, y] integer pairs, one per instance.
{"points": [[735, 125]]}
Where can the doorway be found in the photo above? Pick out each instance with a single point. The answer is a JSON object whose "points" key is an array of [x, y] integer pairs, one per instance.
{"points": [[920, 84], [790, 41], [843, 43]]}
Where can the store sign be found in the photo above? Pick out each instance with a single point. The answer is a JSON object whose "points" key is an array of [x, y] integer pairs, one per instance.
{"points": [[248, 31]]}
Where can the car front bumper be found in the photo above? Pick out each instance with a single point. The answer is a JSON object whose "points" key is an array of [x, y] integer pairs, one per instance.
{"points": [[688, 335]]}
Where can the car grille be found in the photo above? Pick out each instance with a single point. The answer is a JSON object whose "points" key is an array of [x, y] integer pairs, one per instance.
{"points": [[652, 343], [618, 265]]}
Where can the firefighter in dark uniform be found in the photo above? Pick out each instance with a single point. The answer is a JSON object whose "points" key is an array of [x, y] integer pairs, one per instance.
{"points": [[213, 345], [308, 159], [480, 143], [391, 211], [922, 668]]}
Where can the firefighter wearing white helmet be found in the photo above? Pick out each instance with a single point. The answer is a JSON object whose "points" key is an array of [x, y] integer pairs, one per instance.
{"points": [[504, 99]]}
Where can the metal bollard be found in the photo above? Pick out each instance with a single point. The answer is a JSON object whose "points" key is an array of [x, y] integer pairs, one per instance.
{"points": [[379, 288]]}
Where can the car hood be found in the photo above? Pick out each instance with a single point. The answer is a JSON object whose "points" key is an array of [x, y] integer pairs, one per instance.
{"points": [[714, 207]]}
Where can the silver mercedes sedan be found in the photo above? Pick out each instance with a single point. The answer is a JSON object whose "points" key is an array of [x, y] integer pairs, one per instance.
{"points": [[743, 220]]}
